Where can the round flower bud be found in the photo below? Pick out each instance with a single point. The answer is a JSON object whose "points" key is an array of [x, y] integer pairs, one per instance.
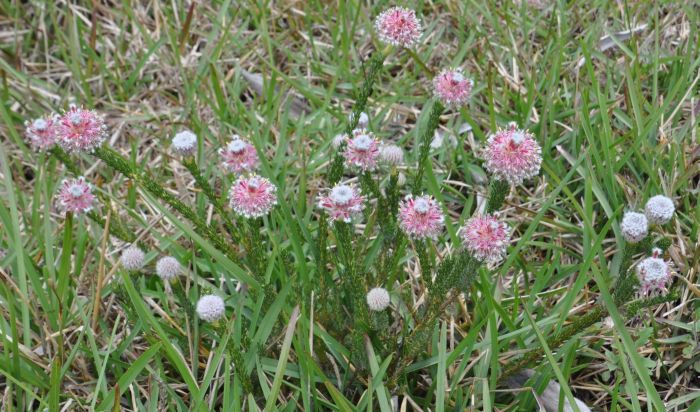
{"points": [[362, 122], [210, 308], [391, 154], [378, 299], [338, 140], [659, 210], [168, 268], [132, 258], [634, 227], [185, 143]]}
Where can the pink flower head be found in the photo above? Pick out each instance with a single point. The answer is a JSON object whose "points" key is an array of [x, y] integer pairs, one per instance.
{"points": [[362, 150], [452, 87], [81, 130], [420, 217], [654, 274], [343, 202], [486, 237], [75, 195], [239, 156], [42, 132], [513, 155], [253, 196], [399, 26]]}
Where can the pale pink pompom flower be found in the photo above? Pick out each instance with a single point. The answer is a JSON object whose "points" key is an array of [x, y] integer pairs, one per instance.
{"points": [[362, 150], [634, 226], [80, 130], [184, 143], [378, 299], [239, 156], [654, 274], [420, 217], [253, 196], [168, 268], [41, 132], [210, 308], [486, 238], [399, 26], [391, 154], [132, 258], [659, 209], [452, 87], [75, 196], [343, 202], [513, 155]]}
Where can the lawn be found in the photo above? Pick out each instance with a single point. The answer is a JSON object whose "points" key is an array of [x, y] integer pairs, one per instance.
{"points": [[398, 260]]}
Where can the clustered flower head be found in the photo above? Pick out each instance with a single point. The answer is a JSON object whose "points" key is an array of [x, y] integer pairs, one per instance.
{"points": [[362, 150], [634, 227], [512, 155], [378, 299], [132, 258], [420, 217], [391, 154], [75, 196], [452, 87], [80, 130], [42, 132], [210, 308], [399, 26], [486, 237], [654, 274], [343, 202], [239, 156], [168, 268], [659, 210], [253, 196], [184, 143]]}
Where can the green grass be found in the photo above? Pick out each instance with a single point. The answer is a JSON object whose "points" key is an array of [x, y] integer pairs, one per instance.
{"points": [[616, 127]]}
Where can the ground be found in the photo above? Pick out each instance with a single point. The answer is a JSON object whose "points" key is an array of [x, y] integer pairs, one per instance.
{"points": [[609, 89]]}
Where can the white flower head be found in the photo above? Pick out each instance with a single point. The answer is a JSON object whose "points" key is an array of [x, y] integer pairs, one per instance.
{"points": [[132, 258], [210, 308], [185, 143], [168, 268], [659, 209], [634, 226], [378, 299]]}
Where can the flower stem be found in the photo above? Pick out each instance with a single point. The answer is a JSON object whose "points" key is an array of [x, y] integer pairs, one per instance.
{"points": [[426, 138], [118, 163], [203, 184]]}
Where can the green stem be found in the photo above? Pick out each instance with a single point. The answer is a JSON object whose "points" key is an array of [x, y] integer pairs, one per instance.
{"points": [[118, 163], [203, 184], [578, 325], [374, 65], [426, 138], [417, 59]]}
